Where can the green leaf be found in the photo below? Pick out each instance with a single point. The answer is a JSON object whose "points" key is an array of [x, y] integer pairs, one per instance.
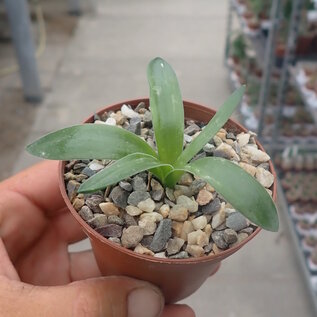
{"points": [[121, 169], [214, 125], [239, 188], [89, 141], [167, 110]]}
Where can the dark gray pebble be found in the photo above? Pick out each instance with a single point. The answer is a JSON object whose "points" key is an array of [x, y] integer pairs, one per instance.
{"points": [[212, 207], [162, 235], [126, 186], [236, 221], [146, 241], [119, 196], [137, 196], [138, 184]]}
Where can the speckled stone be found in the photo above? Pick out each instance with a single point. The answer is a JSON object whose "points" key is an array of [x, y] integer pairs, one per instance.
{"points": [[218, 238], [86, 213]]}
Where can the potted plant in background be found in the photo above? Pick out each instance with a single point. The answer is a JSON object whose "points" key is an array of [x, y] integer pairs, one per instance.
{"points": [[164, 210]]}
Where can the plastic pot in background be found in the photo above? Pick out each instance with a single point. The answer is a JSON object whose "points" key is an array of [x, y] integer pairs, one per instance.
{"points": [[176, 278]]}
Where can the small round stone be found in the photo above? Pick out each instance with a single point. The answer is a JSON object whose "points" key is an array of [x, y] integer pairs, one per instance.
{"points": [[143, 250], [126, 186], [218, 238], [133, 211], [230, 236], [137, 196], [119, 196], [161, 236], [111, 121], [174, 245], [186, 179], [195, 250], [110, 230], [186, 229], [164, 210], [138, 184], [128, 112], [86, 213], [148, 225], [212, 207], [199, 222], [178, 213], [218, 219], [113, 219], [180, 255], [147, 205], [132, 236], [109, 209], [99, 220], [236, 221], [264, 177], [78, 203], [204, 197], [190, 204]]}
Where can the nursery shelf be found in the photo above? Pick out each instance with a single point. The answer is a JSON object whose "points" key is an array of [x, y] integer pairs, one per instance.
{"points": [[310, 104], [309, 277], [256, 39]]}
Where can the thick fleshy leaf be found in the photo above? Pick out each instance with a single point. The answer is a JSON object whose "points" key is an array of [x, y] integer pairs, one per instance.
{"points": [[214, 125], [167, 110], [89, 141], [121, 169], [239, 188]]}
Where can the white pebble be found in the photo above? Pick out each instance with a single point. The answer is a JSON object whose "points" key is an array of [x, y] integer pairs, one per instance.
{"points": [[128, 112]]}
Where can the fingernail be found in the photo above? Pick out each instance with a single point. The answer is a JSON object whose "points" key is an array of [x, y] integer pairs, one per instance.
{"points": [[144, 302]]}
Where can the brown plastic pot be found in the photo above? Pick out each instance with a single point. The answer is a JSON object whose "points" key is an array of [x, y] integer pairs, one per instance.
{"points": [[176, 278]]}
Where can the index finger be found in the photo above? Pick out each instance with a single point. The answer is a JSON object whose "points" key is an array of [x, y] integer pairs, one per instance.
{"points": [[39, 184]]}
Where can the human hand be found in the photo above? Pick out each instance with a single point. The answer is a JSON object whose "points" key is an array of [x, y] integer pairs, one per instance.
{"points": [[39, 277]]}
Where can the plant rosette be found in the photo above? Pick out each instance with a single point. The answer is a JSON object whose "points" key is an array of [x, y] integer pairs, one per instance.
{"points": [[160, 203]]}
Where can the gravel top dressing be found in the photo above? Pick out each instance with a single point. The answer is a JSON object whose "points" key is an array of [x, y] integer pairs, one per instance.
{"points": [[190, 220]]}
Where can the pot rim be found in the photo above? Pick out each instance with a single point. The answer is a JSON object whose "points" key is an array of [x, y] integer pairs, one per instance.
{"points": [[90, 232]]}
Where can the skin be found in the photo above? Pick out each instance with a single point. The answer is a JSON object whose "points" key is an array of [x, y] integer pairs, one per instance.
{"points": [[38, 276]]}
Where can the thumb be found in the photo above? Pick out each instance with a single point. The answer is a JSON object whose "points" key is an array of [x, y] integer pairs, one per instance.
{"points": [[100, 297]]}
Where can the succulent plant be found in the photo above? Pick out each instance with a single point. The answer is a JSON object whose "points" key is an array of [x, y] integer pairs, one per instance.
{"points": [[133, 155]]}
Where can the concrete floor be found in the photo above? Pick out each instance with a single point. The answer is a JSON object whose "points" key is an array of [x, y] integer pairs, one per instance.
{"points": [[106, 61]]}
